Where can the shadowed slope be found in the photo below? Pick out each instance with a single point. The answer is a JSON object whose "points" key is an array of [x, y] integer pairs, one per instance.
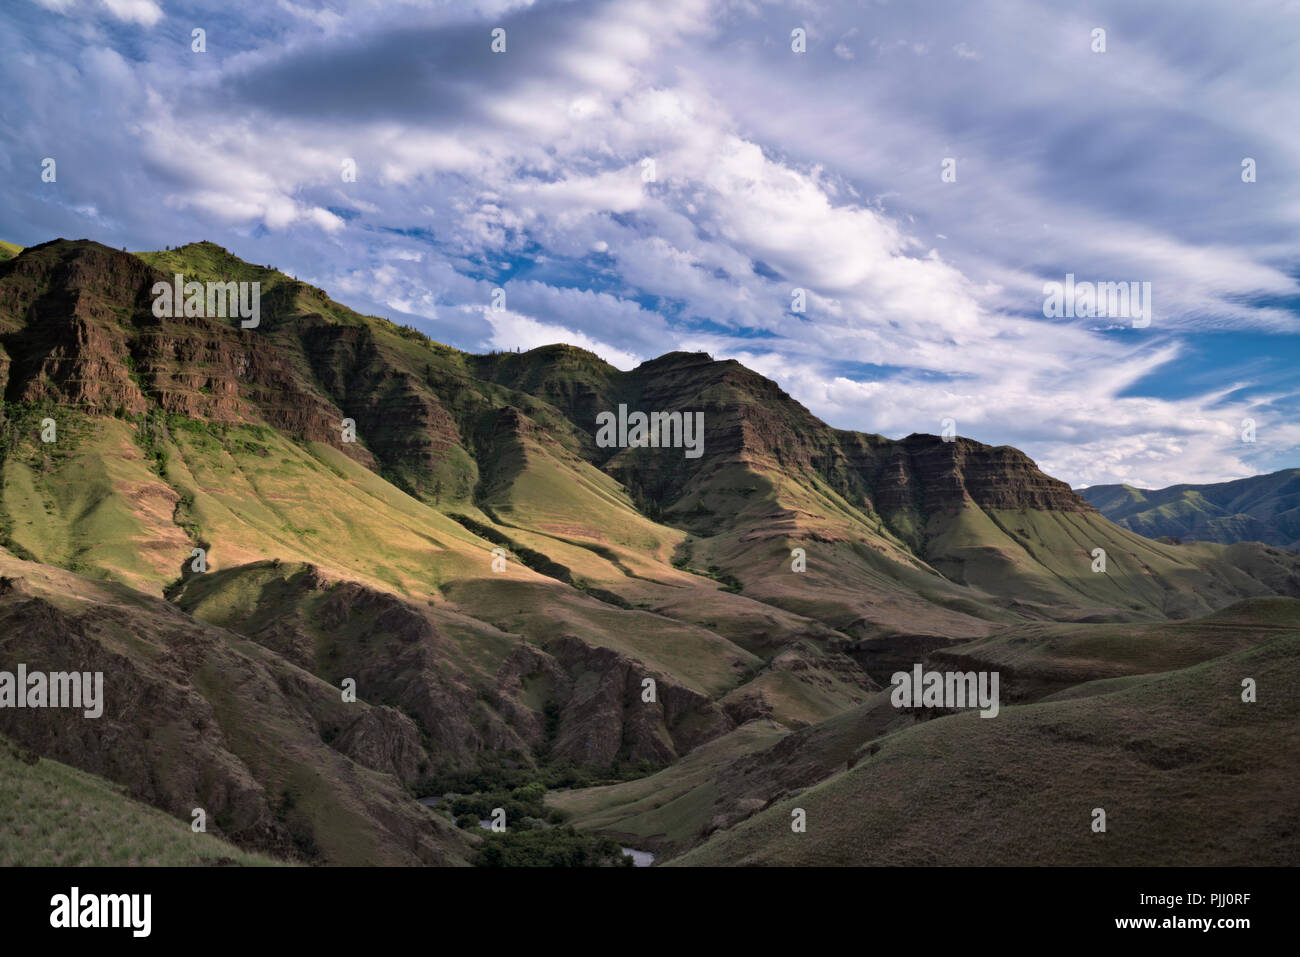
{"points": [[1187, 773]]}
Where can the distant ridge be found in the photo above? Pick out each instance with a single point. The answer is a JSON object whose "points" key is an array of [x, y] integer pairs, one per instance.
{"points": [[1263, 508]]}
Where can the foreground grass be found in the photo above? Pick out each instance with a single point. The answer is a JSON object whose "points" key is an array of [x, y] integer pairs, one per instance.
{"points": [[52, 815]]}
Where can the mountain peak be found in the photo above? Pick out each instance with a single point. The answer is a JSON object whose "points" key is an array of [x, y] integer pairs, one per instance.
{"points": [[678, 360]]}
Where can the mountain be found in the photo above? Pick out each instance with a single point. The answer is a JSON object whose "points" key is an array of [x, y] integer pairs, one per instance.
{"points": [[521, 607], [1263, 508]]}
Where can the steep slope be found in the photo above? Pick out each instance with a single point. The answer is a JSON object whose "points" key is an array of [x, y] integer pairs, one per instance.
{"points": [[139, 479], [52, 815], [913, 537], [1263, 508], [469, 687], [195, 717], [188, 433], [888, 527]]}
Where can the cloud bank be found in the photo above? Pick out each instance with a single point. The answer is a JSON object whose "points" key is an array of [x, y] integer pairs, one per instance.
{"points": [[870, 222]]}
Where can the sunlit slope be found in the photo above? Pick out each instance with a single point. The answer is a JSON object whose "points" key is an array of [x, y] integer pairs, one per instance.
{"points": [[77, 322], [90, 503], [703, 660], [424, 410], [977, 566], [241, 432], [1186, 772], [684, 563], [539, 696], [132, 500], [572, 522], [1041, 563], [533, 480], [825, 561], [1039, 659], [770, 479], [912, 536], [551, 502], [920, 535]]}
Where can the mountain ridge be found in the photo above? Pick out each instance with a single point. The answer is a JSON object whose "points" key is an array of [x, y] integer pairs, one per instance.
{"points": [[500, 585], [1264, 508]]}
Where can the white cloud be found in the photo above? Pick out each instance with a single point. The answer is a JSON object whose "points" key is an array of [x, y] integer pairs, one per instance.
{"points": [[772, 172], [511, 330], [144, 12]]}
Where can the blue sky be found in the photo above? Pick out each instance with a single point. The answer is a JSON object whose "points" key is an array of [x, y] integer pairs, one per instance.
{"points": [[773, 170]]}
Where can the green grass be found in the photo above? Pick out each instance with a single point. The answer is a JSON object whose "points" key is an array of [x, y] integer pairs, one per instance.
{"points": [[90, 503], [1049, 656], [333, 809], [52, 815], [1260, 508], [683, 567]]}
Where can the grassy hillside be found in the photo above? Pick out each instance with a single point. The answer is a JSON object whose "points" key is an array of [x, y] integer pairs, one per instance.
{"points": [[1040, 659], [728, 780], [242, 432], [667, 810], [8, 250], [1187, 773], [741, 774], [52, 815]]}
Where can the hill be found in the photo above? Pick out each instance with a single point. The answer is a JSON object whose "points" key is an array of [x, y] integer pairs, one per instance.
{"points": [[1187, 773], [194, 717], [52, 815], [699, 801], [1262, 508]]}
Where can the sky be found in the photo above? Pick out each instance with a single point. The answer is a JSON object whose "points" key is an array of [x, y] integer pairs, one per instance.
{"points": [[643, 176]]}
